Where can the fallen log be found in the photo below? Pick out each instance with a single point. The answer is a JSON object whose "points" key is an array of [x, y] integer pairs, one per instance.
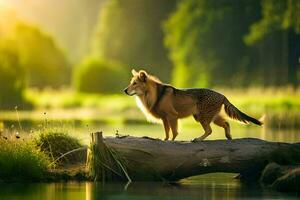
{"points": [[150, 159], [284, 178]]}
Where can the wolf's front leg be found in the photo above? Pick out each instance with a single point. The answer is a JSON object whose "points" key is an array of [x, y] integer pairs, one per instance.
{"points": [[174, 127], [167, 128]]}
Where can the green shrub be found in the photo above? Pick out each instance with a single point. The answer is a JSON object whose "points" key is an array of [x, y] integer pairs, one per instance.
{"points": [[55, 144], [97, 76], [20, 160]]}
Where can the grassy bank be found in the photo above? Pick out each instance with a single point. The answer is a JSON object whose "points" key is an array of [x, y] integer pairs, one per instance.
{"points": [[38, 157], [21, 161]]}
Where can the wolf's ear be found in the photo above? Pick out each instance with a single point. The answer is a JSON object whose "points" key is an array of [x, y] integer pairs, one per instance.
{"points": [[134, 72], [143, 75]]}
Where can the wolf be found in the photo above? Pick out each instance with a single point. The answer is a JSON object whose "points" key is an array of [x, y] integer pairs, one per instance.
{"points": [[166, 103]]}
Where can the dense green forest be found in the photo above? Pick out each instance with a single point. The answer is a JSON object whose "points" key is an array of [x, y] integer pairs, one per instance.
{"points": [[197, 43], [246, 42], [131, 33]]}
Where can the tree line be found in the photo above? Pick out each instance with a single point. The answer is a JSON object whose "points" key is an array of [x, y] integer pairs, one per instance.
{"points": [[195, 43]]}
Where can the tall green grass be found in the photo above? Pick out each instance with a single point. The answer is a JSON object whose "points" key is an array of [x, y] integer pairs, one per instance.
{"points": [[55, 144], [32, 156], [21, 160]]}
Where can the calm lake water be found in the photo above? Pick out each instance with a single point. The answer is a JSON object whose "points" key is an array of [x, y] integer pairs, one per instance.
{"points": [[209, 186], [212, 186]]}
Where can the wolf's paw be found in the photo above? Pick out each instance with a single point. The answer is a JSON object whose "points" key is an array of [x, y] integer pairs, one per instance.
{"points": [[197, 140], [166, 139]]}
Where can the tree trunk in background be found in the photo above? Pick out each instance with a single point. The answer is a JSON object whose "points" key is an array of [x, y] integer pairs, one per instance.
{"points": [[293, 58]]}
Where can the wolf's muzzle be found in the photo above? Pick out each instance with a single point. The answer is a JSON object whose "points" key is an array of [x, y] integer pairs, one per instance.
{"points": [[125, 90]]}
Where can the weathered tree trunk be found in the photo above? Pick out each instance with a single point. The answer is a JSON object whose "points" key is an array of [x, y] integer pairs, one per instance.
{"points": [[150, 159]]}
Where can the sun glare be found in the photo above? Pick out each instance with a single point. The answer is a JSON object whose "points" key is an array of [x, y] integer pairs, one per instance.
{"points": [[3, 3]]}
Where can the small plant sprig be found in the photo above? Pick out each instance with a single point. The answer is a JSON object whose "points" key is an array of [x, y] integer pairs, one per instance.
{"points": [[18, 118]]}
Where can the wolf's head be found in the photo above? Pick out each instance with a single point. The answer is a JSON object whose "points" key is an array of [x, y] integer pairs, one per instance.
{"points": [[144, 86], [138, 84]]}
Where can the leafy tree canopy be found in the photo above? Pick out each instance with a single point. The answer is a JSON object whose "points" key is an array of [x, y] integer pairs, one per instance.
{"points": [[44, 63], [12, 76], [205, 39], [130, 32], [276, 15]]}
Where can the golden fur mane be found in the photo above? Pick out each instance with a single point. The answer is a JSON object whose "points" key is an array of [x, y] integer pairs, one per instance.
{"points": [[146, 112], [154, 78], [145, 102]]}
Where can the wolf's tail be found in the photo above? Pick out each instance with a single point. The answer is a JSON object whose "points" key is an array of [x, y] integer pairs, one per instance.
{"points": [[236, 114]]}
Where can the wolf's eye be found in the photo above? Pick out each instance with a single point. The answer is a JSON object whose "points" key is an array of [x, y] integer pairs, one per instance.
{"points": [[134, 83]]}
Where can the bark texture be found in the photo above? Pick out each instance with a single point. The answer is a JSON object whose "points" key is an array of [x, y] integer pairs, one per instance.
{"points": [[151, 159]]}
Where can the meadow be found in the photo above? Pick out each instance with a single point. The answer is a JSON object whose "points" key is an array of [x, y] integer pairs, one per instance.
{"points": [[279, 106]]}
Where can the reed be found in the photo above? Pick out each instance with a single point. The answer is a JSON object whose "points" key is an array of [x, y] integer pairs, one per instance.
{"points": [[104, 163]]}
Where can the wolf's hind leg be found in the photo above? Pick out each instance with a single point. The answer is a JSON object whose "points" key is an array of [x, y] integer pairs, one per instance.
{"points": [[207, 129], [220, 121], [205, 121], [167, 128]]}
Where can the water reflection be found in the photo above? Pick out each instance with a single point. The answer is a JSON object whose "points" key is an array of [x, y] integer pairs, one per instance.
{"points": [[211, 186], [45, 191]]}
